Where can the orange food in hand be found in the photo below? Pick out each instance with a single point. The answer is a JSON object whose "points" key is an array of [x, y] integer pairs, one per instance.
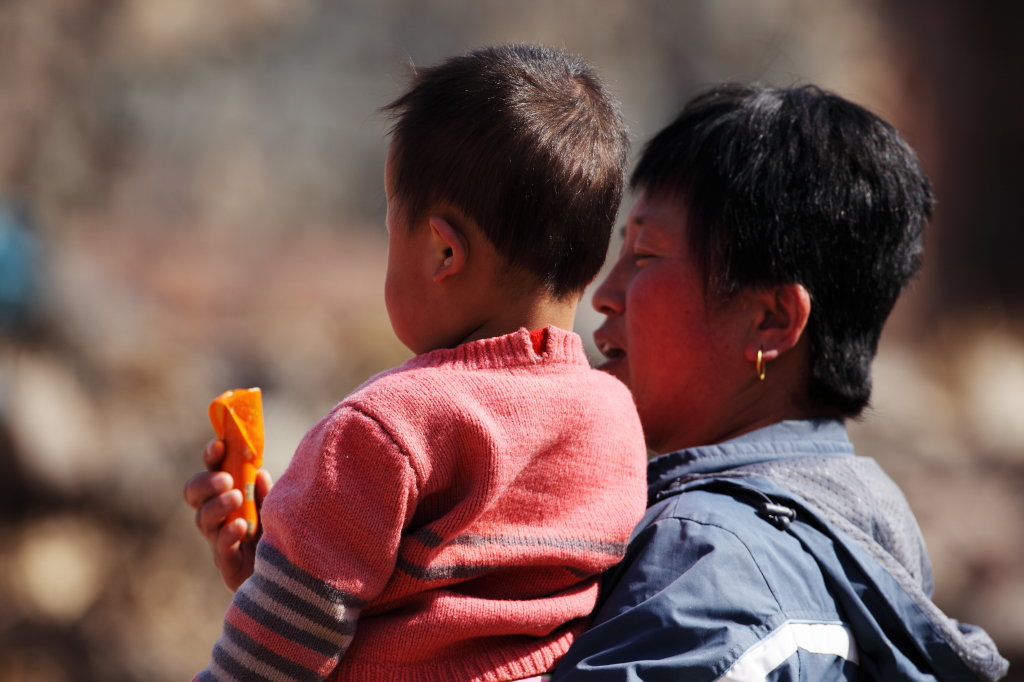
{"points": [[237, 418]]}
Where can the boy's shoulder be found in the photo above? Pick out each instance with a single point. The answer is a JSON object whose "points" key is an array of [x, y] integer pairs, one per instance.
{"points": [[427, 392], [432, 384], [495, 362]]}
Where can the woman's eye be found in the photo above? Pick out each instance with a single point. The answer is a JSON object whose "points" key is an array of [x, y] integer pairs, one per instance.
{"points": [[641, 257]]}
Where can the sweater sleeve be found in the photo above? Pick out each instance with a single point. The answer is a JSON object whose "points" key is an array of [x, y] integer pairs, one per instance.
{"points": [[331, 529]]}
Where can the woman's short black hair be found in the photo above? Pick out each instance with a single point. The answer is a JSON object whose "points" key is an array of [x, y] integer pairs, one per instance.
{"points": [[525, 141], [798, 185]]}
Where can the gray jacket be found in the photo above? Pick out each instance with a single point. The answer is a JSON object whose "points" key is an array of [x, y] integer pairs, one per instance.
{"points": [[779, 555]]}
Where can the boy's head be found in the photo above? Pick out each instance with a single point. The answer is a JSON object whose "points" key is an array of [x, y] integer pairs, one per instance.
{"points": [[798, 185], [524, 142]]}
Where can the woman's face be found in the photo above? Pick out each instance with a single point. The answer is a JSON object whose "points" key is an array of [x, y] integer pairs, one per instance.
{"points": [[682, 360]]}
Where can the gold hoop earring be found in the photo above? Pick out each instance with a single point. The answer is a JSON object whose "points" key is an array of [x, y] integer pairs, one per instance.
{"points": [[759, 365]]}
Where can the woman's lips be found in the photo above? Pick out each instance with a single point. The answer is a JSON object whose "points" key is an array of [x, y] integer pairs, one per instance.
{"points": [[610, 351], [613, 353]]}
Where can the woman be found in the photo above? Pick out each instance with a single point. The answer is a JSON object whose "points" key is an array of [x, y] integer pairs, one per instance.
{"points": [[774, 231]]}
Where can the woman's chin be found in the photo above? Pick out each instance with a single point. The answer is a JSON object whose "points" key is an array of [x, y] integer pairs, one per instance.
{"points": [[617, 367]]}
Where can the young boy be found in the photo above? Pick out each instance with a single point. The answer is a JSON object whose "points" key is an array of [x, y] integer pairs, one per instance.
{"points": [[450, 518]]}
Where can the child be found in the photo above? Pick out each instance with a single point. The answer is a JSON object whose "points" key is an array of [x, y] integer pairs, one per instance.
{"points": [[450, 518]]}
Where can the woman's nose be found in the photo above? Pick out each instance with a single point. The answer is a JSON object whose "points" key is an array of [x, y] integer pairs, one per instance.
{"points": [[609, 297]]}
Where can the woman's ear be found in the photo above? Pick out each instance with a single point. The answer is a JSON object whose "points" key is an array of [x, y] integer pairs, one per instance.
{"points": [[782, 314], [449, 246]]}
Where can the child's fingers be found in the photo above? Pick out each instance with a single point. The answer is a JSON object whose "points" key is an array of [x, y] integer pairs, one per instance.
{"points": [[229, 539], [263, 484], [229, 556], [213, 455], [211, 514], [206, 485]]}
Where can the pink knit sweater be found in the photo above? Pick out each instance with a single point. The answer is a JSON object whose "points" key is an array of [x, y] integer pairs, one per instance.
{"points": [[447, 521]]}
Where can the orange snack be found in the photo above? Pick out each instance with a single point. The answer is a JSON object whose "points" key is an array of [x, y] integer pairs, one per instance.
{"points": [[237, 418]]}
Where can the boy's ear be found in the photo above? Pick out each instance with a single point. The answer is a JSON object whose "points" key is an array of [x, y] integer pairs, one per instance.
{"points": [[781, 314], [449, 245]]}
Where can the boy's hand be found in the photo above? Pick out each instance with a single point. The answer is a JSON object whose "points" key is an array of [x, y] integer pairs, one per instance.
{"points": [[211, 494]]}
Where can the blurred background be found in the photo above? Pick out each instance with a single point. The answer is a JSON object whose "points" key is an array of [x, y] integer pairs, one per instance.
{"points": [[190, 200]]}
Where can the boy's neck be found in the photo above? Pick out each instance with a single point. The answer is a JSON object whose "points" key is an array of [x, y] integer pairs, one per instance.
{"points": [[531, 313]]}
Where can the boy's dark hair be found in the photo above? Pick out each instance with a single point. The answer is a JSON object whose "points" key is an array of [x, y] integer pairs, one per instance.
{"points": [[527, 143], [799, 186]]}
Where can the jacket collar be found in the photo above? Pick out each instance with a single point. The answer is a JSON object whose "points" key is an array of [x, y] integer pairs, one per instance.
{"points": [[782, 440]]}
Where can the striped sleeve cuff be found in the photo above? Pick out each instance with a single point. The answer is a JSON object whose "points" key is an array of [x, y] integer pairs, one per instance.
{"points": [[283, 624]]}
